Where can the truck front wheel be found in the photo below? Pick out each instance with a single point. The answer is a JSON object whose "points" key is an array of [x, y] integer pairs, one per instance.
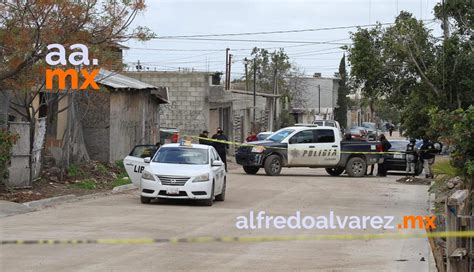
{"points": [[334, 171], [273, 165], [356, 167], [251, 170]]}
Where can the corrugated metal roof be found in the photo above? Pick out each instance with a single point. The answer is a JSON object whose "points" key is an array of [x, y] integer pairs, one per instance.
{"points": [[118, 81]]}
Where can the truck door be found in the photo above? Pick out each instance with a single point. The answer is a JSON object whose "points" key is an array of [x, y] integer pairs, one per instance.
{"points": [[134, 163], [301, 149], [328, 150]]}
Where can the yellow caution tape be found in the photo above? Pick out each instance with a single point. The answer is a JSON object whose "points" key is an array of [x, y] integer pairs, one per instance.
{"points": [[281, 148], [243, 239]]}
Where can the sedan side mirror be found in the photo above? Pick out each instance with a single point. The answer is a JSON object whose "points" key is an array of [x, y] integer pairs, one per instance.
{"points": [[217, 163], [147, 160]]}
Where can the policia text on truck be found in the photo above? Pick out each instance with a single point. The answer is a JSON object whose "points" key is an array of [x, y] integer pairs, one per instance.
{"points": [[309, 146]]}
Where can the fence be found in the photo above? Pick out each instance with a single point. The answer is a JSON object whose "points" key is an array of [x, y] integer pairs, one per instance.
{"points": [[20, 173]]}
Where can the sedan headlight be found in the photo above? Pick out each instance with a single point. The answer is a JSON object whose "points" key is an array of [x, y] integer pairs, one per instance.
{"points": [[258, 149], [147, 175], [200, 178]]}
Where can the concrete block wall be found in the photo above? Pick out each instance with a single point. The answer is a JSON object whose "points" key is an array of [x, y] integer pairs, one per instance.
{"points": [[188, 109]]}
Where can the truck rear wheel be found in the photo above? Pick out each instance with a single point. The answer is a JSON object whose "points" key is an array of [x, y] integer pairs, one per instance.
{"points": [[273, 165], [356, 167], [251, 170], [334, 171]]}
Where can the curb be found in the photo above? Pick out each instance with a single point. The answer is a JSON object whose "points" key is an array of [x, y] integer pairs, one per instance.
{"points": [[48, 202], [42, 203], [123, 188], [9, 208]]}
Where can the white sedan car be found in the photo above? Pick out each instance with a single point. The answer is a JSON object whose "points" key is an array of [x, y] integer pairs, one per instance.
{"points": [[180, 171]]}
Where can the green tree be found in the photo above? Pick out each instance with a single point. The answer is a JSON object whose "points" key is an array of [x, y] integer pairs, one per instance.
{"points": [[269, 65], [273, 70], [340, 114], [368, 69], [455, 129]]}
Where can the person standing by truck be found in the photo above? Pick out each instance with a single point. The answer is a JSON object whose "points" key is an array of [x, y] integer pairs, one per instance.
{"points": [[427, 155], [220, 146], [411, 157], [381, 169]]}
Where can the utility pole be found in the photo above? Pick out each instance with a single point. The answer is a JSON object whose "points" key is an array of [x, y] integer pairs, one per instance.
{"points": [[226, 67], [445, 21], [319, 100], [254, 92], [273, 109], [230, 68], [246, 75]]}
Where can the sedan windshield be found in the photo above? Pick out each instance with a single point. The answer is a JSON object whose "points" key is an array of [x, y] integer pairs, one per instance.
{"points": [[181, 155], [280, 135]]}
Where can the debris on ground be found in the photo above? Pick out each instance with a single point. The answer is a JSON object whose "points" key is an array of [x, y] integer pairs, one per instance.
{"points": [[415, 180], [81, 179]]}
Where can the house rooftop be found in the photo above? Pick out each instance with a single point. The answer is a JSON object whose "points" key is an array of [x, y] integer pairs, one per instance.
{"points": [[117, 81]]}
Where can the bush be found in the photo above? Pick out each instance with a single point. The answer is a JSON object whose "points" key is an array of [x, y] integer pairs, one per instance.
{"points": [[123, 173], [74, 171], [456, 129], [119, 164], [7, 140]]}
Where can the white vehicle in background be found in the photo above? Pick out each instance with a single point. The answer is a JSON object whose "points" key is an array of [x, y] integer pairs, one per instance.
{"points": [[327, 123], [182, 171]]}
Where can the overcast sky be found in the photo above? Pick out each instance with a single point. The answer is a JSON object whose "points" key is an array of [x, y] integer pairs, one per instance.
{"points": [[181, 17]]}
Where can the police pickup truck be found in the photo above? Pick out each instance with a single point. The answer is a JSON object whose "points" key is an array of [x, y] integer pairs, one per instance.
{"points": [[309, 146]]}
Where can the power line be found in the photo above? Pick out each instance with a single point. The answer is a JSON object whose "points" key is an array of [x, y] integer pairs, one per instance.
{"points": [[233, 49], [261, 41], [272, 32]]}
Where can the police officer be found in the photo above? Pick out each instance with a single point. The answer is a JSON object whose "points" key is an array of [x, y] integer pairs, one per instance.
{"points": [[219, 146], [204, 134], [381, 170], [427, 155], [411, 157]]}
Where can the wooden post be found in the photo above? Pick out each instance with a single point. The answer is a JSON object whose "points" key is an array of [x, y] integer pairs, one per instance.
{"points": [[455, 248]]}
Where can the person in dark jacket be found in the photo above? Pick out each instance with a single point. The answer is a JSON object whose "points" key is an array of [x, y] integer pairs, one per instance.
{"points": [[382, 170], [427, 155], [204, 134], [411, 157], [219, 146]]}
